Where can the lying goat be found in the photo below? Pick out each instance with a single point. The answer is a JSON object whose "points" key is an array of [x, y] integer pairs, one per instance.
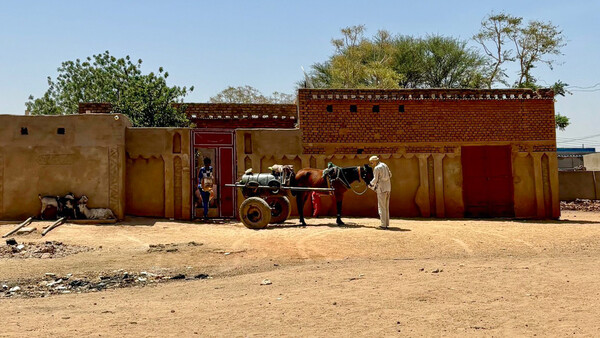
{"points": [[94, 213]]}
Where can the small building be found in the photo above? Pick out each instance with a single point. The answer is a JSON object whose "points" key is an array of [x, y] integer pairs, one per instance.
{"points": [[571, 159], [453, 153]]}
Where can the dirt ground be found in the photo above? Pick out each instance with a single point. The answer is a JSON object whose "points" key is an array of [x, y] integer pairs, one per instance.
{"points": [[422, 277]]}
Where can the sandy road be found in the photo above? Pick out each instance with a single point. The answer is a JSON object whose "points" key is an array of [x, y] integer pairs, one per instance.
{"points": [[498, 277]]}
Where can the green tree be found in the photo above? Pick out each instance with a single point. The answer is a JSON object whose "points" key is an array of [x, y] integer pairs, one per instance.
{"points": [[561, 121], [386, 61], [534, 43], [145, 98], [495, 32], [249, 94]]}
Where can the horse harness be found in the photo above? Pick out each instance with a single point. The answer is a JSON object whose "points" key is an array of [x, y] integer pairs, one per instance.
{"points": [[338, 174]]}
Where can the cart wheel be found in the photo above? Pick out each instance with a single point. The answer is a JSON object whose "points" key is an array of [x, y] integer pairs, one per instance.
{"points": [[280, 208], [255, 213]]}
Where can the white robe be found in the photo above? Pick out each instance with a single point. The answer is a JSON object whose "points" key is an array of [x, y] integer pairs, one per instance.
{"points": [[382, 185]]}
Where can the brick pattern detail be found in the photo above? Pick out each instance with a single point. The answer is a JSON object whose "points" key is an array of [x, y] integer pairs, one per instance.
{"points": [[231, 115], [434, 115], [94, 108], [225, 115], [366, 150], [544, 148]]}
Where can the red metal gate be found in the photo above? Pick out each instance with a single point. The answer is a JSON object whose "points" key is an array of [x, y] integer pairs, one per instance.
{"points": [[223, 141], [487, 181]]}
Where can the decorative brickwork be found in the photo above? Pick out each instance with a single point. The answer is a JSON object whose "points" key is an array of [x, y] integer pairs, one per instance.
{"points": [[231, 115], [95, 108], [224, 115], [434, 115], [544, 148]]}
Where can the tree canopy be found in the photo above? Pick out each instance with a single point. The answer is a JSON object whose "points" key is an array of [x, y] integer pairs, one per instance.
{"points": [[249, 94], [401, 61], [386, 61], [145, 98]]}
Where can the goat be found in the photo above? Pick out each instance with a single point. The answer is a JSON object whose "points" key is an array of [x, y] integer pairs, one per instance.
{"points": [[49, 201], [67, 206], [94, 213]]}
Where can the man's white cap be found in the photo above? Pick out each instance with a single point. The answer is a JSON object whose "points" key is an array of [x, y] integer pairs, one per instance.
{"points": [[374, 158]]}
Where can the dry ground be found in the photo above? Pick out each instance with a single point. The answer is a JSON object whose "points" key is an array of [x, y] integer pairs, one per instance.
{"points": [[495, 278]]}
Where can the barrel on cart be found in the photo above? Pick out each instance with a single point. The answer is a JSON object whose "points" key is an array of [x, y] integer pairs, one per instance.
{"points": [[266, 199]]}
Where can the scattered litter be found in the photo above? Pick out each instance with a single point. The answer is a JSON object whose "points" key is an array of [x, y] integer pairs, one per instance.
{"points": [[43, 250], [51, 284], [266, 282], [581, 205], [437, 271], [25, 231]]}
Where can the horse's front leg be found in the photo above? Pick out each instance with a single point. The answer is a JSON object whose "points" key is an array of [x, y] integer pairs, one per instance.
{"points": [[339, 212]]}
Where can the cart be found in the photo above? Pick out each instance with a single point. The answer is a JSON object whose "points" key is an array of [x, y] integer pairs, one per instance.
{"points": [[266, 199]]}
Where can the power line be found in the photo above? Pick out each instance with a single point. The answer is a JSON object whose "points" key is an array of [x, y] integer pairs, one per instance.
{"points": [[588, 87]]}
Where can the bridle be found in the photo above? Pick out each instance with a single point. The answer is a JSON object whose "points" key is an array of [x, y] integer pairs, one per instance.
{"points": [[347, 184]]}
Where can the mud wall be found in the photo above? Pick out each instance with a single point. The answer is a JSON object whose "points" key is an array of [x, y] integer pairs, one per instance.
{"points": [[579, 184], [158, 180], [423, 184], [53, 155]]}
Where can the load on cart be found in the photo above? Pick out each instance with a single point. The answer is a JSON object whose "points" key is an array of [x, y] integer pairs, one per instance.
{"points": [[266, 196]]}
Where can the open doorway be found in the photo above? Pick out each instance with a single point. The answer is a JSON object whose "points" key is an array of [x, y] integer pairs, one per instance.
{"points": [[218, 146], [200, 154]]}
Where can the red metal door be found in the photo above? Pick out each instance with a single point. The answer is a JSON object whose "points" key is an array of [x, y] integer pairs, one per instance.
{"points": [[487, 181], [223, 141]]}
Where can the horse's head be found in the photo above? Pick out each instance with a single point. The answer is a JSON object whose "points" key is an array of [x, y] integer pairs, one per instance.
{"points": [[366, 173]]}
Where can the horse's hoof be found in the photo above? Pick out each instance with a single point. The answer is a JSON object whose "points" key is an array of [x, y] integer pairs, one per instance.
{"points": [[340, 223]]}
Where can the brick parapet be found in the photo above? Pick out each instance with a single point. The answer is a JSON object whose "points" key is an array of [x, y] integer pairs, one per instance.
{"points": [[94, 108], [224, 115], [425, 116]]}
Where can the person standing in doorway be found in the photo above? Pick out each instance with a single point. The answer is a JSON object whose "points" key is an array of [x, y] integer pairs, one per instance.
{"points": [[382, 185], [205, 184]]}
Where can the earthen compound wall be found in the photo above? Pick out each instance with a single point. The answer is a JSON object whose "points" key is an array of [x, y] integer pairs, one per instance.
{"points": [[158, 172], [54, 155], [423, 184]]}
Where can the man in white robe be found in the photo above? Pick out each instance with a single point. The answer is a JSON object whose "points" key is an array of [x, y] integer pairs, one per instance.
{"points": [[382, 185]]}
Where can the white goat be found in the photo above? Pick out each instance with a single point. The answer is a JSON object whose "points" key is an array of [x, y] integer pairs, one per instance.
{"points": [[94, 213]]}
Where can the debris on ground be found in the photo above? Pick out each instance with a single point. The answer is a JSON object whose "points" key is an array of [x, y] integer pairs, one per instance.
{"points": [[52, 284], [266, 282], [437, 271], [43, 250], [171, 247], [581, 205], [25, 231]]}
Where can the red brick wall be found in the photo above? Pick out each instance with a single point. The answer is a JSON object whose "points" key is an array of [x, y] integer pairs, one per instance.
{"points": [[225, 115], [434, 115], [233, 115], [94, 108]]}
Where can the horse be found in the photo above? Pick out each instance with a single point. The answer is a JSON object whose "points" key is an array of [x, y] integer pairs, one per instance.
{"points": [[339, 178]]}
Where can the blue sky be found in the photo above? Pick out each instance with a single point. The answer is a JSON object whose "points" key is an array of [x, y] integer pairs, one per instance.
{"points": [[212, 45]]}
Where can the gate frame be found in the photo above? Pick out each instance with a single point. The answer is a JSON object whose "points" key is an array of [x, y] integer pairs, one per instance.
{"points": [[217, 148]]}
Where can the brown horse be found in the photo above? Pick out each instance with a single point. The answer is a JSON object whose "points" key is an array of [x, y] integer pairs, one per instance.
{"points": [[339, 178]]}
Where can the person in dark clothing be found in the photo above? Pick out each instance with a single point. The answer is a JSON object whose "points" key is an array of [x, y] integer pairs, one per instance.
{"points": [[205, 185]]}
